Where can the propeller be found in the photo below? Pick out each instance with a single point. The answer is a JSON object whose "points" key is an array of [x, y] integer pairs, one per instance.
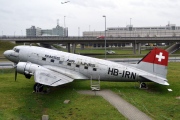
{"points": [[15, 67], [15, 73]]}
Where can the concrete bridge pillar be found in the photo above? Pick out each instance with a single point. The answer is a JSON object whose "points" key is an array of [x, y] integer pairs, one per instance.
{"points": [[134, 47], [73, 48], [68, 47], [82, 46], [139, 48], [102, 45]]}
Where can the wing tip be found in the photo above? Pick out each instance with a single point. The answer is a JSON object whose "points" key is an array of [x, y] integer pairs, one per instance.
{"points": [[166, 83]]}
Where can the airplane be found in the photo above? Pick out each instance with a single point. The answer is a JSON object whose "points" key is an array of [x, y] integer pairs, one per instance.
{"points": [[53, 68], [65, 2]]}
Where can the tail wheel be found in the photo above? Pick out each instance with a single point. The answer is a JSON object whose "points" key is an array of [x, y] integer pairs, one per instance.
{"points": [[38, 87], [143, 85]]}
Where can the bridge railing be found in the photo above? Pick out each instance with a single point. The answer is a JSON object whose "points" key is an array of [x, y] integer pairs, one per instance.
{"points": [[36, 37], [22, 37]]}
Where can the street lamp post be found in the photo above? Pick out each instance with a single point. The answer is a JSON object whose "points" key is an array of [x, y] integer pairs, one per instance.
{"points": [[14, 33], [105, 37], [130, 27], [64, 26], [78, 31]]}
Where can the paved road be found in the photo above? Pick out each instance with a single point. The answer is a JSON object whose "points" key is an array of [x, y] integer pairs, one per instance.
{"points": [[6, 64], [125, 108]]}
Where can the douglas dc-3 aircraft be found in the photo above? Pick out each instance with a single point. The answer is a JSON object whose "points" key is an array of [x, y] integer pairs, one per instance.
{"points": [[54, 68]]}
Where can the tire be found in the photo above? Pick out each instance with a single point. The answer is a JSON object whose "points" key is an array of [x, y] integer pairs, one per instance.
{"points": [[143, 85], [38, 87]]}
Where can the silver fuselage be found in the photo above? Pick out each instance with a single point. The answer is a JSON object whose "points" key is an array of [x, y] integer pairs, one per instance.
{"points": [[92, 68]]}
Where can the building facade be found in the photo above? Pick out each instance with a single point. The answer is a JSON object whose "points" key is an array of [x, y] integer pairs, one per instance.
{"points": [[130, 31], [57, 31], [33, 31]]}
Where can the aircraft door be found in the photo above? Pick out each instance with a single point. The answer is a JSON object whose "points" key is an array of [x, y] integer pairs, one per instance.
{"points": [[93, 71], [102, 70]]}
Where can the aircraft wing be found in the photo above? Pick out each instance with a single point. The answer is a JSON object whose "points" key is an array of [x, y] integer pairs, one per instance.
{"points": [[54, 76], [51, 78], [156, 79], [67, 72]]}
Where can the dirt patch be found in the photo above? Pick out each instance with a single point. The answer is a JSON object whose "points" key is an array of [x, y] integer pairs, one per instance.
{"points": [[178, 97]]}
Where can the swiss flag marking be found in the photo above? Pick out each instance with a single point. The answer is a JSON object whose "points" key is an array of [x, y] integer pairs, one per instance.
{"points": [[157, 56], [160, 57]]}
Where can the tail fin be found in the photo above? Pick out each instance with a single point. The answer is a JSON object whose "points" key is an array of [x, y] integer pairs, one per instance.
{"points": [[156, 62]]}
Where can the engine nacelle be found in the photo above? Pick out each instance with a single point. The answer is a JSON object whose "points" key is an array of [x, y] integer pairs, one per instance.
{"points": [[28, 68]]}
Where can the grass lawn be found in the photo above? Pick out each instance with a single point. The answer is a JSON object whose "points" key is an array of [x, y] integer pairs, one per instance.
{"points": [[18, 102], [5, 46]]}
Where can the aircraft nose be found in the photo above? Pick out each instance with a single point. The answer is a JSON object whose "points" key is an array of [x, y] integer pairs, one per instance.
{"points": [[7, 53]]}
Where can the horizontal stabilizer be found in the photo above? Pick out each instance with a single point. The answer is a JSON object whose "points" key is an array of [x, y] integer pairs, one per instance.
{"points": [[156, 79]]}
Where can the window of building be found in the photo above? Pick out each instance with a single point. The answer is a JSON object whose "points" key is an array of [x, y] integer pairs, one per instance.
{"points": [[85, 67], [60, 62], [52, 60], [77, 65], [44, 59]]}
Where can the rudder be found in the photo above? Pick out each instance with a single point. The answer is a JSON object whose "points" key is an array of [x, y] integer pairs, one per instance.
{"points": [[156, 62]]}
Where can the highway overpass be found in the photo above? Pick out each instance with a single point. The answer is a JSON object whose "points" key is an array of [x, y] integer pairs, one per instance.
{"points": [[136, 41]]}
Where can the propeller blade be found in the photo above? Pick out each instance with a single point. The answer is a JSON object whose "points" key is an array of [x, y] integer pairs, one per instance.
{"points": [[15, 67], [15, 74]]}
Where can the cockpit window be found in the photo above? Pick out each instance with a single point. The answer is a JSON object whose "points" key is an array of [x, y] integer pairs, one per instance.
{"points": [[17, 50]]}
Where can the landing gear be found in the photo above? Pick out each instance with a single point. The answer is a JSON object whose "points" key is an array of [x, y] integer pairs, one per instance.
{"points": [[143, 86], [27, 76], [38, 87]]}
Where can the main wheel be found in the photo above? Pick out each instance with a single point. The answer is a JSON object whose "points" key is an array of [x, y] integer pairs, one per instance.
{"points": [[143, 85], [38, 87]]}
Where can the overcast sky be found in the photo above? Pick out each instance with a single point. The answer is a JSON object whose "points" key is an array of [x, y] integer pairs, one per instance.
{"points": [[17, 15]]}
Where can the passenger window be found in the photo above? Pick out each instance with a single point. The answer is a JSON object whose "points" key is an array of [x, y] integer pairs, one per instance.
{"points": [[69, 64], [44, 59], [94, 69], [77, 65], [85, 67], [52, 60]]}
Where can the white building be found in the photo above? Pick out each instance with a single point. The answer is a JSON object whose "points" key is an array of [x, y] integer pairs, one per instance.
{"points": [[57, 31], [130, 31], [33, 31]]}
